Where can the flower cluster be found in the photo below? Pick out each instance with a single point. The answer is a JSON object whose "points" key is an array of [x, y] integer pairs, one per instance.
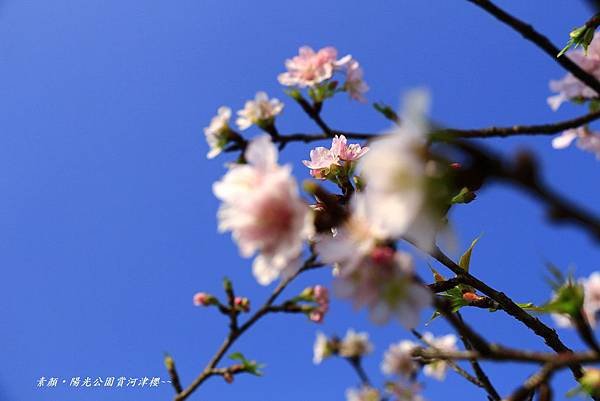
{"points": [[326, 163], [319, 295], [261, 112], [591, 302], [263, 210], [353, 345], [313, 70]]}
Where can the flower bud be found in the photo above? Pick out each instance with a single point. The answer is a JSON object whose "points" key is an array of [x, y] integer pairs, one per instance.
{"points": [[204, 299], [242, 304]]}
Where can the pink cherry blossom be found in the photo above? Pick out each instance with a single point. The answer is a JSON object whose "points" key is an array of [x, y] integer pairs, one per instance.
{"points": [[355, 84], [263, 210], [258, 110], [345, 152], [323, 159], [309, 68], [586, 140], [385, 289], [570, 87]]}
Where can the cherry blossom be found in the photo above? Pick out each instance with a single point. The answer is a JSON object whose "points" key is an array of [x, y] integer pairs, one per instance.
{"points": [[322, 348], [437, 369], [586, 140], [370, 274], [355, 344], [263, 210], [259, 111], [398, 359], [322, 160], [355, 84], [320, 163], [570, 87], [395, 173], [364, 393], [217, 132], [309, 68]]}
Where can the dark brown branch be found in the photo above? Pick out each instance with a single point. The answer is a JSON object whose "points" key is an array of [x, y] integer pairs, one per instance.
{"points": [[515, 130], [479, 372], [510, 307], [529, 33]]}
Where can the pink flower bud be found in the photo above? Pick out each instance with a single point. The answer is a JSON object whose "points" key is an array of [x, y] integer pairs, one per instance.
{"points": [[316, 315], [203, 299], [242, 303]]}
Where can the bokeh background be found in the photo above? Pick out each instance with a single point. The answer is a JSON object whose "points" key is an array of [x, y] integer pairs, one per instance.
{"points": [[107, 217]]}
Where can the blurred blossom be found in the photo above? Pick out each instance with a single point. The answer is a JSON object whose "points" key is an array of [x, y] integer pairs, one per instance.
{"points": [[355, 344], [322, 348], [309, 68], [571, 87], [370, 274], [395, 172], [405, 391], [398, 359], [437, 369], [591, 302], [586, 140], [259, 111], [364, 393], [263, 210], [217, 132]]}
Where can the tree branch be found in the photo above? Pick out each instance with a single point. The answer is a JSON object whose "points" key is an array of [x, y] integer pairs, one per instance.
{"points": [[541, 41]]}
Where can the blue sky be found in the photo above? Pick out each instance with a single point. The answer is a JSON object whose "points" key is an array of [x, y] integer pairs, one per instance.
{"points": [[108, 217]]}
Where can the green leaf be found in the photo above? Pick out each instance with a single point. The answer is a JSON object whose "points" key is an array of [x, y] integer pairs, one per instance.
{"points": [[251, 367], [464, 196], [387, 112], [465, 259]]}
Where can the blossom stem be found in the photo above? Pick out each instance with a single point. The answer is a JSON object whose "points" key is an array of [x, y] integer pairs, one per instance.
{"points": [[356, 363]]}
